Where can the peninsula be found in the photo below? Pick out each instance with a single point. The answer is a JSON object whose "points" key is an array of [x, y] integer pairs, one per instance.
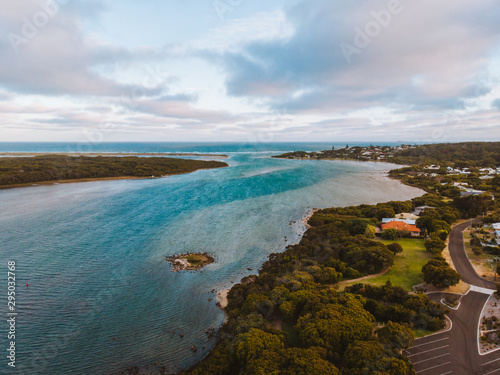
{"points": [[49, 169], [209, 156]]}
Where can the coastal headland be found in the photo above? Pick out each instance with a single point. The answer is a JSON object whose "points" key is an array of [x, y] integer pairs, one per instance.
{"points": [[290, 318]]}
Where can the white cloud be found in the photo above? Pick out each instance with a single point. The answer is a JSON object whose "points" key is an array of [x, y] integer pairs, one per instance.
{"points": [[429, 69]]}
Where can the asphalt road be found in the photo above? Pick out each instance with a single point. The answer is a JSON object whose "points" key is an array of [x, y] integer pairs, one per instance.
{"points": [[460, 260], [455, 352]]}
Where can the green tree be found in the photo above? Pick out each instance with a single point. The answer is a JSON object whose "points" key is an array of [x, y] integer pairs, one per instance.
{"points": [[370, 357], [439, 273], [396, 336], [385, 212], [370, 231], [475, 241], [296, 361], [249, 345], [358, 226], [390, 234], [336, 325], [435, 245], [473, 205], [395, 247]]}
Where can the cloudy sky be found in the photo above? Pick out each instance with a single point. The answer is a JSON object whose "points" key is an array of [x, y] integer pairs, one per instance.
{"points": [[241, 70]]}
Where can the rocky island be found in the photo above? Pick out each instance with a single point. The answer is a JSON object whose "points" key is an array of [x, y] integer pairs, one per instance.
{"points": [[190, 261]]}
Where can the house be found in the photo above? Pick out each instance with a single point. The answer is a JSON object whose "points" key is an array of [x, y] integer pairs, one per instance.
{"points": [[434, 167], [468, 192], [401, 226], [407, 216], [419, 210], [496, 228], [488, 171], [401, 219]]}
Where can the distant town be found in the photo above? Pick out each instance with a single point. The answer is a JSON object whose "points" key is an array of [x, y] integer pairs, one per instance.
{"points": [[356, 153]]}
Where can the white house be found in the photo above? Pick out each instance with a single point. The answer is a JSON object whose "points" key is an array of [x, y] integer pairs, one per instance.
{"points": [[434, 167], [418, 210], [469, 192], [496, 228]]}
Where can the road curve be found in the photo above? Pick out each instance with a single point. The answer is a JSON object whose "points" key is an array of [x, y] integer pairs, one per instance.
{"points": [[461, 261], [455, 352]]}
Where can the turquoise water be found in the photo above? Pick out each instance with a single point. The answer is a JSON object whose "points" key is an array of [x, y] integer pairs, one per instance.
{"points": [[102, 298]]}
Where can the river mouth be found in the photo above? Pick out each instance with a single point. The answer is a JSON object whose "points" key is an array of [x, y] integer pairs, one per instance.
{"points": [[101, 296]]}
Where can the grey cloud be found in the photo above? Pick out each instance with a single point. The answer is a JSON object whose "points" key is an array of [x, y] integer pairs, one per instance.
{"points": [[56, 58], [428, 57], [180, 107]]}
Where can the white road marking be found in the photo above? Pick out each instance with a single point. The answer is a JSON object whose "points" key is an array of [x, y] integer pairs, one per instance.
{"points": [[430, 368], [427, 351], [484, 364], [430, 359], [430, 342], [491, 372]]}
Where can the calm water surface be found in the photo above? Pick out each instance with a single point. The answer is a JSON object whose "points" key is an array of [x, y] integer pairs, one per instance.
{"points": [[101, 297]]}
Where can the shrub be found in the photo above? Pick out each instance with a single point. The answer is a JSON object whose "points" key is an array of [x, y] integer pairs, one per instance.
{"points": [[435, 245], [477, 250], [395, 248], [439, 273], [390, 234]]}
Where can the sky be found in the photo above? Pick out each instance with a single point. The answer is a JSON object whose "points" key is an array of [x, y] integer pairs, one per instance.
{"points": [[249, 71]]}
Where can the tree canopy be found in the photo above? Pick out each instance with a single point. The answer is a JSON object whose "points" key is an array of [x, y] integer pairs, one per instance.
{"points": [[23, 170]]}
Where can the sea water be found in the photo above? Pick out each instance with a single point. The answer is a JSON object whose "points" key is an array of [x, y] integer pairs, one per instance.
{"points": [[101, 296]]}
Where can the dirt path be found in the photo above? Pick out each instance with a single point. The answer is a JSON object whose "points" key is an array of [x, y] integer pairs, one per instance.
{"points": [[362, 278]]}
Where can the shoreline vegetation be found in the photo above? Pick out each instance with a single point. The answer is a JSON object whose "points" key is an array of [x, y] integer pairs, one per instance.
{"points": [[290, 319], [54, 169], [20, 154], [190, 261]]}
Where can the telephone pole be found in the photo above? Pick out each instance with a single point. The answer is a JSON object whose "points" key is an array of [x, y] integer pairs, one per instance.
{"points": [[496, 268]]}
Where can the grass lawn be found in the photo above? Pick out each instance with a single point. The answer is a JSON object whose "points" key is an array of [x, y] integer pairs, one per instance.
{"points": [[417, 333], [407, 268]]}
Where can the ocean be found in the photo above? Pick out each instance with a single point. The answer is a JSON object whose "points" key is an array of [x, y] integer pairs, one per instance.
{"points": [[100, 295]]}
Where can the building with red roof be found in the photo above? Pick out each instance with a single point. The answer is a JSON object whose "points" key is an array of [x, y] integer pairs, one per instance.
{"points": [[401, 226]]}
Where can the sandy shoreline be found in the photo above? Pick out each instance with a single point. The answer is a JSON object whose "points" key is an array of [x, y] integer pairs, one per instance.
{"points": [[81, 180], [222, 298], [59, 182]]}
